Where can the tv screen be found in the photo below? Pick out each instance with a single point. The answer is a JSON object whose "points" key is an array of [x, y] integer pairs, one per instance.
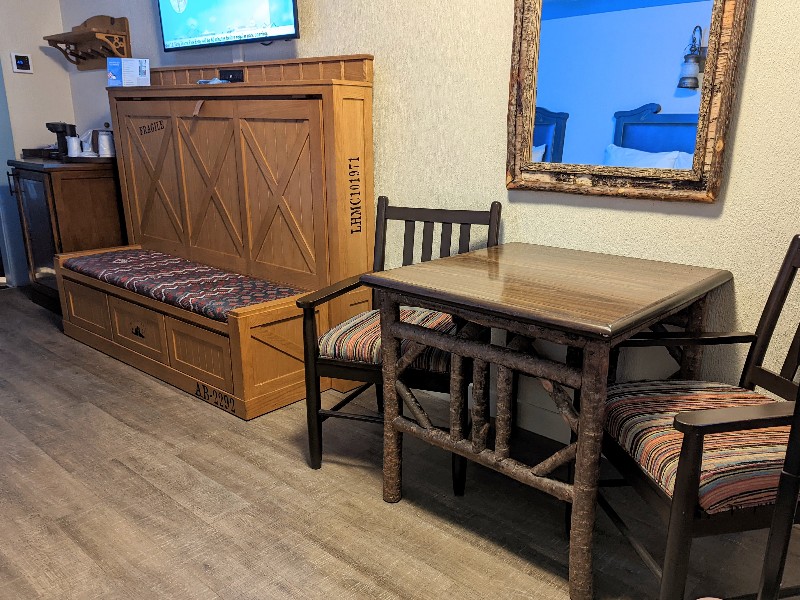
{"points": [[198, 23]]}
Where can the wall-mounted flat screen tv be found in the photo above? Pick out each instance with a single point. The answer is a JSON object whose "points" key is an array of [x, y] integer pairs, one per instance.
{"points": [[198, 23]]}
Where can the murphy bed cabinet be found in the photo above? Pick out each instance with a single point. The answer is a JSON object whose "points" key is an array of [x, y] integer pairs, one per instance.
{"points": [[272, 178]]}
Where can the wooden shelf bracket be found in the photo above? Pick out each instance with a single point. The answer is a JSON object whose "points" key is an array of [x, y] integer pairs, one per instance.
{"points": [[89, 44]]}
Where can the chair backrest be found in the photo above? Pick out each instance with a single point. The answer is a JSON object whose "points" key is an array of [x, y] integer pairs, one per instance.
{"points": [[428, 217], [754, 373]]}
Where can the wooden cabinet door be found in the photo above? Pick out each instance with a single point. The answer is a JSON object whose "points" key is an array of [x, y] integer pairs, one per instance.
{"points": [[39, 227], [214, 204], [148, 168], [280, 142], [87, 210]]}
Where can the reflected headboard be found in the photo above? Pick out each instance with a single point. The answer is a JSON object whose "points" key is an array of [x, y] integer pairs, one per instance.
{"points": [[645, 129], [550, 128]]}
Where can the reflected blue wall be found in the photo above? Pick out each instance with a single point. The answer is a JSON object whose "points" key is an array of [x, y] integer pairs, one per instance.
{"points": [[595, 65], [560, 9]]}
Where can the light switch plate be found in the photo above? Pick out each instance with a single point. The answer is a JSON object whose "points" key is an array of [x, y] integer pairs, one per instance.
{"points": [[21, 63]]}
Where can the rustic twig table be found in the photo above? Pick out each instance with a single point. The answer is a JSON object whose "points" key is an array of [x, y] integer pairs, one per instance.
{"points": [[585, 301]]}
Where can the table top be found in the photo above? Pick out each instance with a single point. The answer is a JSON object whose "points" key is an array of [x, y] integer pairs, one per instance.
{"points": [[591, 294]]}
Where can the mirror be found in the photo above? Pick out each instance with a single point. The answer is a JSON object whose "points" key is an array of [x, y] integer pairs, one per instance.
{"points": [[622, 97]]}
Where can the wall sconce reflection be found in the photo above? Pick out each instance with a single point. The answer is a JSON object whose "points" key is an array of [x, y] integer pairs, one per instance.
{"points": [[693, 61]]}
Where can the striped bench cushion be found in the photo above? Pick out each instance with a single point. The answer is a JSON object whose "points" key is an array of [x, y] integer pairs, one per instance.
{"points": [[359, 339], [739, 469], [192, 286]]}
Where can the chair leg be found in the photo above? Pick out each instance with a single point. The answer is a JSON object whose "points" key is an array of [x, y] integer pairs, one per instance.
{"points": [[459, 469], [676, 560], [779, 535], [313, 398], [458, 464], [681, 518], [314, 421]]}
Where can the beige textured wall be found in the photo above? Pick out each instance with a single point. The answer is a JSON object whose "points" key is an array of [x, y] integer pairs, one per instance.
{"points": [[441, 90], [45, 95]]}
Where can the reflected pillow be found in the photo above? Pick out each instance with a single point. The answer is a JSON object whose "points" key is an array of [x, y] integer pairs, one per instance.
{"points": [[617, 156], [537, 154], [684, 160]]}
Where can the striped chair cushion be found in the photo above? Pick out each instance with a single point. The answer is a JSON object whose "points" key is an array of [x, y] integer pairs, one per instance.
{"points": [[359, 339], [739, 469]]}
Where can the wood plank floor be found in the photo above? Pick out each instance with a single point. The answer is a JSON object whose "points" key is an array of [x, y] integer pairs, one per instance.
{"points": [[115, 485]]}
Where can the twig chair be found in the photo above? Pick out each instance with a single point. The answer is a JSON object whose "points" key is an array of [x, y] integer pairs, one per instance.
{"points": [[351, 350], [708, 456]]}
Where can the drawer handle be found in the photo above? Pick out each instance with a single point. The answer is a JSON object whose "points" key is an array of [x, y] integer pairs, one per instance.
{"points": [[137, 331]]}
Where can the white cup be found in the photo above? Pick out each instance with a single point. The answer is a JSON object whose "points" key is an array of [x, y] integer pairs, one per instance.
{"points": [[105, 143], [73, 146]]}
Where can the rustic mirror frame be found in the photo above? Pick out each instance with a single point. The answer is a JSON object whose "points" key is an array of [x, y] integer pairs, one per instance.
{"points": [[700, 184]]}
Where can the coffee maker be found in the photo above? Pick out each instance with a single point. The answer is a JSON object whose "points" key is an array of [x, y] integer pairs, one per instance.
{"points": [[62, 131]]}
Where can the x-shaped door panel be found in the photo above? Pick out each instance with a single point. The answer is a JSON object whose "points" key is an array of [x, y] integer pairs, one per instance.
{"points": [[210, 202], [150, 196], [283, 168]]}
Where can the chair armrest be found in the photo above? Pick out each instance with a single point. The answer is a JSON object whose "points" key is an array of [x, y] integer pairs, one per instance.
{"points": [[682, 338], [738, 418], [329, 293]]}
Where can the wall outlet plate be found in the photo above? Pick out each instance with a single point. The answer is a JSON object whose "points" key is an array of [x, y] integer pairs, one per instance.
{"points": [[21, 63]]}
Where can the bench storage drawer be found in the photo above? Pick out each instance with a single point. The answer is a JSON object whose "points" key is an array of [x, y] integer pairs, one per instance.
{"points": [[139, 329], [87, 308], [200, 353]]}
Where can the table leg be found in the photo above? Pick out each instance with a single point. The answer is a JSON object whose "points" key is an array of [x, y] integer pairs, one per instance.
{"points": [[392, 439], [587, 467], [693, 355]]}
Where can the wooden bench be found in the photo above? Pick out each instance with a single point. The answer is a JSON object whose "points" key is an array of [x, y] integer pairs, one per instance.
{"points": [[270, 179], [246, 360]]}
